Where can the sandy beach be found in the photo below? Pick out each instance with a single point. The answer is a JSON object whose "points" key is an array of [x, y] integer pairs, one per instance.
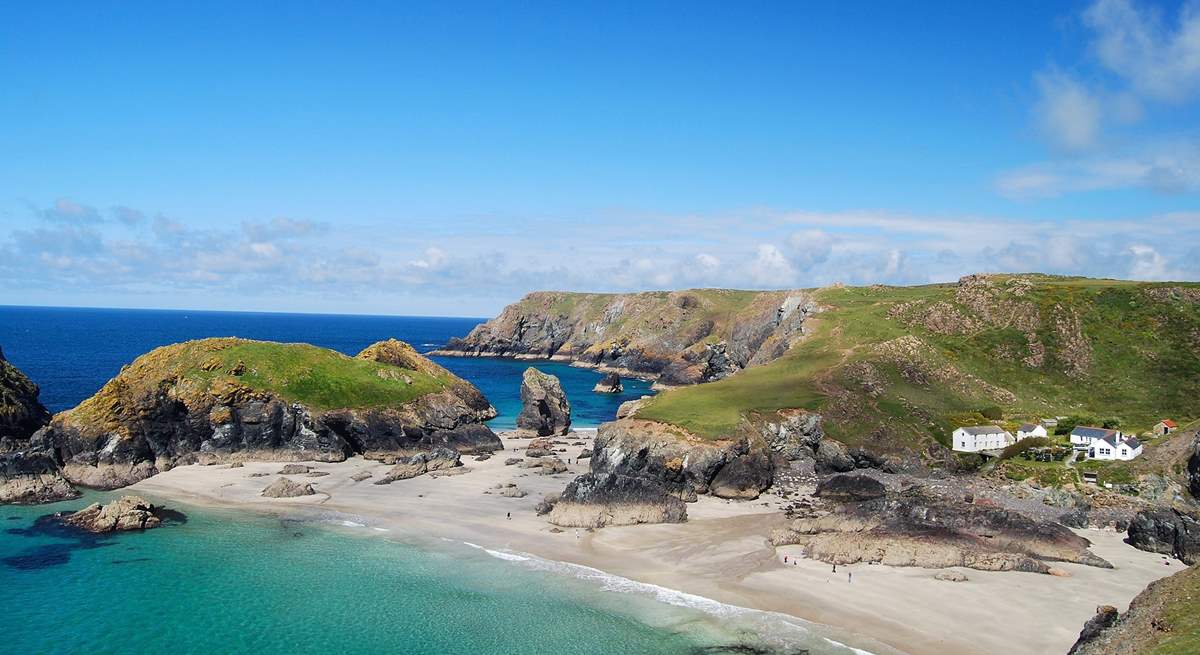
{"points": [[720, 553]]}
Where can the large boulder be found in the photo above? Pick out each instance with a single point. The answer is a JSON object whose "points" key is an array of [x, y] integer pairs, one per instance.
{"points": [[832, 457], [21, 413], [850, 488], [438, 459], [221, 399], [125, 513], [544, 406], [1168, 531]]}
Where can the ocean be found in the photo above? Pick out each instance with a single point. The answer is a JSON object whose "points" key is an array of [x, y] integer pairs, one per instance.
{"points": [[70, 353], [227, 581]]}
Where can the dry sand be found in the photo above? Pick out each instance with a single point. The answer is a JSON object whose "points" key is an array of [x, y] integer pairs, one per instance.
{"points": [[720, 553]]}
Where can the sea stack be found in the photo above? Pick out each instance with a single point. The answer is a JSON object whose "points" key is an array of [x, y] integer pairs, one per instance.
{"points": [[544, 406], [25, 478], [610, 383]]}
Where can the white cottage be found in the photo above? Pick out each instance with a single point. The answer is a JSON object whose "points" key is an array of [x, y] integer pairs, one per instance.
{"points": [[1121, 449], [1083, 436], [974, 438], [1030, 430]]}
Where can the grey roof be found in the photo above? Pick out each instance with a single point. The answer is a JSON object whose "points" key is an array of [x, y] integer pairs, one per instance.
{"points": [[1027, 427], [1092, 433], [983, 429], [1133, 443]]}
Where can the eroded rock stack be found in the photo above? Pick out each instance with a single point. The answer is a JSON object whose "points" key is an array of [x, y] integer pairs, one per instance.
{"points": [[125, 513], [25, 477], [545, 409], [610, 383]]}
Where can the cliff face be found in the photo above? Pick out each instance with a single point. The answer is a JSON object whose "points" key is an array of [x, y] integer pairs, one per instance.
{"points": [[233, 398], [680, 337], [21, 414], [643, 471]]}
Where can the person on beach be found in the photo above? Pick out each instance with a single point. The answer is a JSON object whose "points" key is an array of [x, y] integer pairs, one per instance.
{"points": [[835, 567], [785, 559], [508, 515], [849, 577]]}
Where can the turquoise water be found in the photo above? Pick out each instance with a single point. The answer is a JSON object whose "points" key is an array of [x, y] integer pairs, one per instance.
{"points": [[232, 582], [72, 352]]}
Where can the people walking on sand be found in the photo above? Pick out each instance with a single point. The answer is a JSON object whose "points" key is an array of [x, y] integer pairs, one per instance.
{"points": [[785, 559], [509, 515], [849, 577], [835, 567]]}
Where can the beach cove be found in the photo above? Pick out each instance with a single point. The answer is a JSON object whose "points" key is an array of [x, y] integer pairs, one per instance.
{"points": [[717, 562]]}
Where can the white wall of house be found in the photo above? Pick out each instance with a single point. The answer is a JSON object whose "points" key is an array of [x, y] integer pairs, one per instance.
{"points": [[1103, 450], [1037, 431], [966, 442]]}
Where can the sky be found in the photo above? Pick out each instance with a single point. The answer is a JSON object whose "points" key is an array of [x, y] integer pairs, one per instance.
{"points": [[445, 159]]}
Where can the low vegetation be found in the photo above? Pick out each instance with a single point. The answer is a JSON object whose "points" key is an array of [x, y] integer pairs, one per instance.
{"points": [[897, 367]]}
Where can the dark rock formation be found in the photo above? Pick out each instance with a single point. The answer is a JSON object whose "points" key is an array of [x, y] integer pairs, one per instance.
{"points": [[1167, 531], [125, 513], [850, 488], [596, 500], [646, 461], [544, 406], [21, 414], [1193, 468], [832, 456], [1105, 618], [915, 529], [661, 335], [184, 404], [28, 478], [288, 488], [610, 383]]}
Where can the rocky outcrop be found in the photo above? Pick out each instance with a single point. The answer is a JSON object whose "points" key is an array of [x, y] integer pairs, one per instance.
{"points": [[125, 513], [610, 383], [681, 337], [1193, 468], [288, 488], [915, 529], [597, 500], [21, 413], [1168, 531], [850, 488], [438, 459], [545, 409], [1106, 616], [216, 399], [28, 478], [642, 468]]}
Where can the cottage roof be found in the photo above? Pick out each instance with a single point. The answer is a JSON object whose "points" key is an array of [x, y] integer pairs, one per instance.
{"points": [[1093, 433], [1028, 427], [976, 430], [1168, 422], [1108, 441], [1134, 444]]}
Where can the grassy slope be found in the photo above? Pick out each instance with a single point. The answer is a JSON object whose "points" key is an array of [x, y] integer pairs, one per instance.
{"points": [[647, 313], [319, 378], [1144, 365]]}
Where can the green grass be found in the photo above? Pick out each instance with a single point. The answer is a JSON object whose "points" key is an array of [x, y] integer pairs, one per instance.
{"points": [[316, 377], [1182, 614], [1046, 474], [1143, 364]]}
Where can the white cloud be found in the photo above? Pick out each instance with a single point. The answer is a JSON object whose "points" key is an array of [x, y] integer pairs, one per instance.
{"points": [[1067, 113], [1157, 59], [771, 268]]}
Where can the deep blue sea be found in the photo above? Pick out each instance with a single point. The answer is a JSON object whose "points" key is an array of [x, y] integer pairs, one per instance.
{"points": [[70, 353], [229, 581]]}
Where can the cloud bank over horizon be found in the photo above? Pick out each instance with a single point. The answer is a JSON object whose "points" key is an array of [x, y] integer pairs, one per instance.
{"points": [[132, 256]]}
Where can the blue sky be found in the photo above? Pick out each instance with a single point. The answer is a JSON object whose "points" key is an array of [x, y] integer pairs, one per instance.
{"points": [[445, 159]]}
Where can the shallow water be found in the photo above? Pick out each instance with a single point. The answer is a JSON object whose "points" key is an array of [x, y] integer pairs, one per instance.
{"points": [[234, 582], [71, 353]]}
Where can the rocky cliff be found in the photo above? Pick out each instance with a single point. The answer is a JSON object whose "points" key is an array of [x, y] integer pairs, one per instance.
{"points": [[640, 471], [21, 414], [234, 398], [678, 337]]}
